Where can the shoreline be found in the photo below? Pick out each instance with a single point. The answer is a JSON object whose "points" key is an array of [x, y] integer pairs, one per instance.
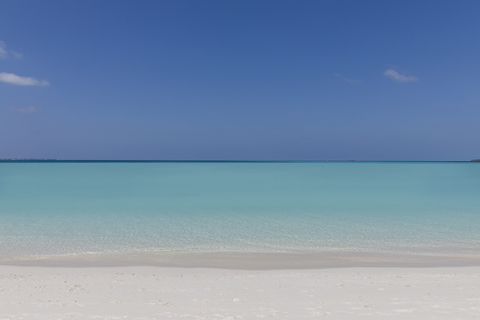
{"points": [[251, 260]]}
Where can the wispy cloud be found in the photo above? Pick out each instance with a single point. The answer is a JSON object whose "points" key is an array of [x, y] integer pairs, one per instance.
{"points": [[352, 81], [399, 77], [21, 81], [4, 53], [30, 109], [16, 55]]}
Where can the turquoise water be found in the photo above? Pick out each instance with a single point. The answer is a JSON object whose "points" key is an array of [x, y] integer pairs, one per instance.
{"points": [[68, 208]]}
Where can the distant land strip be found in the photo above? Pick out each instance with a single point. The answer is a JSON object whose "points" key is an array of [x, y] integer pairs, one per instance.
{"points": [[17, 159], [60, 160]]}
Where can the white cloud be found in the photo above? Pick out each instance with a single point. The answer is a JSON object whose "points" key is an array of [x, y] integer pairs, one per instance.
{"points": [[21, 81], [30, 109], [399, 77]]}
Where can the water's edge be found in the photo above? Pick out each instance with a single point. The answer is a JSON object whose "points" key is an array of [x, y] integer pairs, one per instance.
{"points": [[250, 260]]}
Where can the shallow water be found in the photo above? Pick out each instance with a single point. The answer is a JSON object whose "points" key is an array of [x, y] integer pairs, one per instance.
{"points": [[77, 208]]}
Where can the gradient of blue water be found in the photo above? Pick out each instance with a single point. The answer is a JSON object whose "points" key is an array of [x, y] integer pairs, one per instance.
{"points": [[105, 207]]}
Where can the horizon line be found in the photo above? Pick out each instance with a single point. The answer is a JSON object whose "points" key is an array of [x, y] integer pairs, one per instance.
{"points": [[123, 160]]}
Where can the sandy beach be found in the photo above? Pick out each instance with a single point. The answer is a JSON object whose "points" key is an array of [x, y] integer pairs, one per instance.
{"points": [[136, 292]]}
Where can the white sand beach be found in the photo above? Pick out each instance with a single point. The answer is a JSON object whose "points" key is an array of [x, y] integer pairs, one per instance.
{"points": [[135, 292]]}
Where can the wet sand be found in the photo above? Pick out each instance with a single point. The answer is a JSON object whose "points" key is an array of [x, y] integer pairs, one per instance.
{"points": [[251, 260]]}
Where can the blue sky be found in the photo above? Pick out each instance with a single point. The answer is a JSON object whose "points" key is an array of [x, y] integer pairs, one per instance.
{"points": [[240, 80]]}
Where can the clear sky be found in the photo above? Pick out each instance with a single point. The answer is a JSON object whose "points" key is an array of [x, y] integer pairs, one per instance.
{"points": [[240, 80]]}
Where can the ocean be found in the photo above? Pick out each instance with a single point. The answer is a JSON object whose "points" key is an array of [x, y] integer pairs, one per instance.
{"points": [[61, 209]]}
